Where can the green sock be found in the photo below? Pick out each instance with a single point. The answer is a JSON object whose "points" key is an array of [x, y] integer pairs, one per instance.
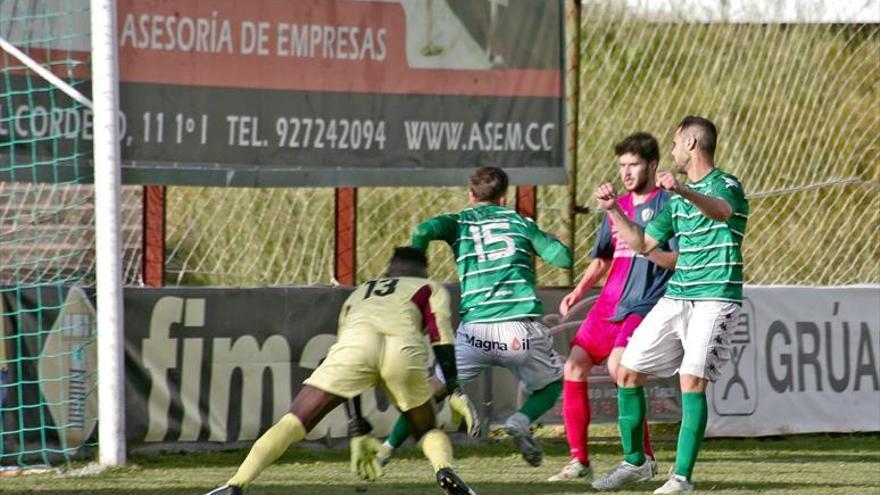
{"points": [[541, 401], [399, 433], [694, 415], [631, 416], [400, 430]]}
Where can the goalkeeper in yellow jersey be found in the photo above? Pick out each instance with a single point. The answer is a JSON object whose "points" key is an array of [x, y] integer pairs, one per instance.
{"points": [[382, 328]]}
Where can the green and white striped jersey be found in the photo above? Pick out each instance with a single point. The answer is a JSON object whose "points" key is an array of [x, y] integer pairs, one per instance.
{"points": [[494, 249], [710, 262]]}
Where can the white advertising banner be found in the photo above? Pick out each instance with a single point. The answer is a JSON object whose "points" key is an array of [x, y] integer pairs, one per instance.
{"points": [[805, 359]]}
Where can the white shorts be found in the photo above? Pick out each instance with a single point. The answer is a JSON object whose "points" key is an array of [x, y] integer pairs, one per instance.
{"points": [[524, 347], [688, 337]]}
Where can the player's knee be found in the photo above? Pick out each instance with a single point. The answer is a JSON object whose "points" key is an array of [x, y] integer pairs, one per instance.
{"points": [[612, 371], [576, 369], [419, 430], [421, 420], [628, 378], [613, 365], [691, 383]]}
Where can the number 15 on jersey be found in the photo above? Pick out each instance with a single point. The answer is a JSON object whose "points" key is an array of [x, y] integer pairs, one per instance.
{"points": [[487, 235]]}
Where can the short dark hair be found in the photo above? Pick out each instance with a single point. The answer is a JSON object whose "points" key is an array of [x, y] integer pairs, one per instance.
{"points": [[642, 144], [410, 256], [488, 184], [707, 134]]}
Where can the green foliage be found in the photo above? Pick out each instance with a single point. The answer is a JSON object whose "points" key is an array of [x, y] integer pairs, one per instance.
{"points": [[793, 105], [796, 109]]}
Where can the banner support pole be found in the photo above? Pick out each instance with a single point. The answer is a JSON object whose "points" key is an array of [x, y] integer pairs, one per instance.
{"points": [[345, 235]]}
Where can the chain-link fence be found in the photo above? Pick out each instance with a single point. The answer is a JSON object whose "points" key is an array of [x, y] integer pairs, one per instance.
{"points": [[796, 108], [795, 105]]}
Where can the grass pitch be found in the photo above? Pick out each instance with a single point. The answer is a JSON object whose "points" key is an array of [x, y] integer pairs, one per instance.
{"points": [[812, 464]]}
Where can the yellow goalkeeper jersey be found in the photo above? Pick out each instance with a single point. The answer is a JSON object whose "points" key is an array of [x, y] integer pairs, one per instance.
{"points": [[399, 306]]}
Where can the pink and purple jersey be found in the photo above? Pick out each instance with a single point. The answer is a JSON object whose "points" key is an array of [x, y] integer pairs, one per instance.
{"points": [[634, 284]]}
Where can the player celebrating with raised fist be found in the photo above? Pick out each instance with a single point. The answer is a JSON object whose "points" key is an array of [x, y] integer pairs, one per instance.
{"points": [[633, 286], [688, 331]]}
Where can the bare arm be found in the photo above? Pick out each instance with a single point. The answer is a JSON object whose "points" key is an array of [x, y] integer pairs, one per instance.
{"points": [[663, 259], [594, 272], [629, 231], [714, 208]]}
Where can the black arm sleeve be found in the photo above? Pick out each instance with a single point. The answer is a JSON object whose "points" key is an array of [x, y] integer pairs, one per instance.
{"points": [[357, 424], [446, 358]]}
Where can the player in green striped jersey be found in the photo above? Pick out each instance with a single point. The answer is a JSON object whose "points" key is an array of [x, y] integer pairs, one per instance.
{"points": [[494, 249], [688, 331]]}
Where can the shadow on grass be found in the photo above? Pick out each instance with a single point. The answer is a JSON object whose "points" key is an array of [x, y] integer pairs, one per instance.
{"points": [[310, 455], [868, 441], [802, 448], [766, 486], [788, 459], [491, 488]]}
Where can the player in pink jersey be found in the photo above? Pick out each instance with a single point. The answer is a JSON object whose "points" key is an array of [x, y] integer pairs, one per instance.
{"points": [[633, 285]]}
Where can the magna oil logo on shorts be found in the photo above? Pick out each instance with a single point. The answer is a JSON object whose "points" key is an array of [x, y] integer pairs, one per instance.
{"points": [[495, 345], [517, 345]]}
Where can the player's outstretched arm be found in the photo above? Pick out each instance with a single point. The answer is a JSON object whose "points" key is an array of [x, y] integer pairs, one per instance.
{"points": [[602, 254], [443, 339], [549, 248], [594, 272], [439, 228]]}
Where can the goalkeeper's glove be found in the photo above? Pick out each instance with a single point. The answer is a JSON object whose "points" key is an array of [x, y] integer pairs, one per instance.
{"points": [[463, 408], [364, 461]]}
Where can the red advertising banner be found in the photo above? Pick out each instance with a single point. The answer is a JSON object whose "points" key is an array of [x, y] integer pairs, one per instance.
{"points": [[323, 92]]}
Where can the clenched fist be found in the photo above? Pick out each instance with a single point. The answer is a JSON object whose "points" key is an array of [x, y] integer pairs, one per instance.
{"points": [[606, 196], [667, 180]]}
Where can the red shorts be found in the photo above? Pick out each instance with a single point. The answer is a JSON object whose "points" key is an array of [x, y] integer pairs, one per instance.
{"points": [[599, 336]]}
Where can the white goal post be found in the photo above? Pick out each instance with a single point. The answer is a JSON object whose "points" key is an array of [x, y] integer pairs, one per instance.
{"points": [[108, 232]]}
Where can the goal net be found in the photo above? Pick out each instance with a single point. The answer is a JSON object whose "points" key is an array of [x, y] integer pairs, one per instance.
{"points": [[48, 397]]}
